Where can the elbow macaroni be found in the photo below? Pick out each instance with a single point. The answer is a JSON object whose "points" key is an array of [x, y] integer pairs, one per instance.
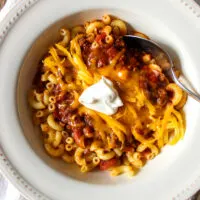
{"points": [[54, 152], [122, 169], [78, 157], [34, 103], [105, 156], [65, 33], [120, 25], [53, 124]]}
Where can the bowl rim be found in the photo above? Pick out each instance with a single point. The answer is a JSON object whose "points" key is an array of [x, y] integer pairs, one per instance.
{"points": [[6, 166]]}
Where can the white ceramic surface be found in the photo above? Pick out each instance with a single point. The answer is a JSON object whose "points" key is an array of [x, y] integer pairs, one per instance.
{"points": [[173, 174]]}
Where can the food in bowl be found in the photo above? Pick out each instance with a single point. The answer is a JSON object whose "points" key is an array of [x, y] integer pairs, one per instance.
{"points": [[102, 105]]}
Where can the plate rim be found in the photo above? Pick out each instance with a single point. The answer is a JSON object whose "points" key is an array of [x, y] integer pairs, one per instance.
{"points": [[7, 167]]}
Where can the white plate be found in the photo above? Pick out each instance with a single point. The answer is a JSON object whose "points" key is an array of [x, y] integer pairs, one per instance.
{"points": [[174, 174]]}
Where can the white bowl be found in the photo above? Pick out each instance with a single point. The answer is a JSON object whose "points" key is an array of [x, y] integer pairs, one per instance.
{"points": [[162, 178]]}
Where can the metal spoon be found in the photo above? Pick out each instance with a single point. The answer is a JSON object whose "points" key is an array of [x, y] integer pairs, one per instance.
{"points": [[163, 60]]}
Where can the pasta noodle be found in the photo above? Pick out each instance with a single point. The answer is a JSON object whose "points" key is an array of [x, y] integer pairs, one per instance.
{"points": [[67, 158], [54, 152], [122, 169], [57, 139], [77, 30], [34, 103], [106, 19], [66, 36], [53, 124], [151, 116], [121, 25]]}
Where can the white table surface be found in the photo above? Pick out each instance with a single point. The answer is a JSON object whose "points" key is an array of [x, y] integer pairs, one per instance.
{"points": [[7, 190]]}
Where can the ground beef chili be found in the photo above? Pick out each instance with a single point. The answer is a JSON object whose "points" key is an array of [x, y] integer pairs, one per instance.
{"points": [[153, 84], [77, 134], [102, 55], [151, 81]]}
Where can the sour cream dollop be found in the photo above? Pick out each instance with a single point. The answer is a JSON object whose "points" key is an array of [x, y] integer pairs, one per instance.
{"points": [[101, 97]]}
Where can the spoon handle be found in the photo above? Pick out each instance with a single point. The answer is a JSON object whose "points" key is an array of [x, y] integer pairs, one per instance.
{"points": [[185, 85]]}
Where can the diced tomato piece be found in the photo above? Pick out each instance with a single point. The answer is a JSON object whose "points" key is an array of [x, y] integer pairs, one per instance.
{"points": [[106, 164], [100, 37], [77, 135]]}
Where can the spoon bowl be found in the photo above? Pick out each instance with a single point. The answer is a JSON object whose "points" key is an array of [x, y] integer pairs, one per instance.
{"points": [[163, 59]]}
